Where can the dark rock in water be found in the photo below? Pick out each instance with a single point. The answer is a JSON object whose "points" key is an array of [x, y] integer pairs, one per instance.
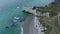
{"points": [[7, 27], [34, 7], [23, 11]]}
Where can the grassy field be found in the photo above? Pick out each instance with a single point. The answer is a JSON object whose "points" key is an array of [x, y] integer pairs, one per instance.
{"points": [[52, 24], [52, 8]]}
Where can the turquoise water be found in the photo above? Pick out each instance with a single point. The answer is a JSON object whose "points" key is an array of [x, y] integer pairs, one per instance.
{"points": [[11, 10]]}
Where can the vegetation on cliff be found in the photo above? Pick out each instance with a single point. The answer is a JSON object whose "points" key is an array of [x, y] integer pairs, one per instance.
{"points": [[51, 23]]}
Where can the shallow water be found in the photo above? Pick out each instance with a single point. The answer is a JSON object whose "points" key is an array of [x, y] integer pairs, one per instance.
{"points": [[12, 8]]}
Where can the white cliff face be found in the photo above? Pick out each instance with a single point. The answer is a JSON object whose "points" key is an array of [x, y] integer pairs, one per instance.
{"points": [[32, 24], [34, 12], [38, 26], [28, 9]]}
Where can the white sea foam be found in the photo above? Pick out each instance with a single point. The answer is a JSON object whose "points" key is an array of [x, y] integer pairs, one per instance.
{"points": [[21, 30]]}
